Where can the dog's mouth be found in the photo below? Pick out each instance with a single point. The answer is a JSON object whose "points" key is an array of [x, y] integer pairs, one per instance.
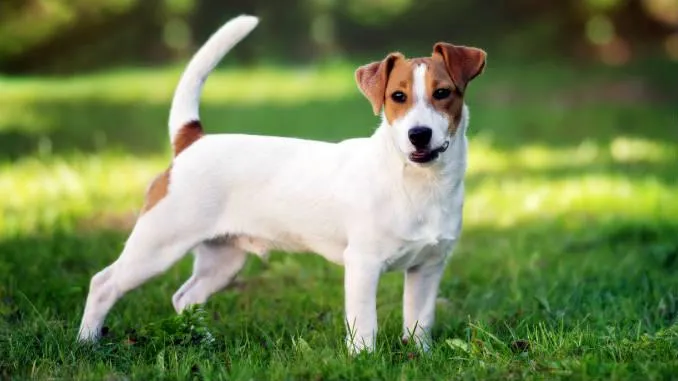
{"points": [[423, 156]]}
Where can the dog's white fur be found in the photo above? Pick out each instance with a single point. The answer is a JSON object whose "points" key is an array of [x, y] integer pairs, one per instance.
{"points": [[360, 203]]}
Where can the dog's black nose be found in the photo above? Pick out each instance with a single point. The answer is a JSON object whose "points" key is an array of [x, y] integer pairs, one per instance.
{"points": [[420, 136]]}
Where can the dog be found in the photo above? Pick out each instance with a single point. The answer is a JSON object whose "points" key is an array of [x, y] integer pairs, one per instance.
{"points": [[390, 201]]}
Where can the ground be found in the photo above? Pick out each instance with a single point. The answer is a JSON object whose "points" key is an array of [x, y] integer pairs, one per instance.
{"points": [[566, 267]]}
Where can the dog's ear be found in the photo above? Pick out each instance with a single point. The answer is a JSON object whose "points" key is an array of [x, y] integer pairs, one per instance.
{"points": [[372, 79], [463, 63]]}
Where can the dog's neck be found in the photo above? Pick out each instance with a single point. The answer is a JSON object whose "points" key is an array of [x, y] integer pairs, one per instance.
{"points": [[446, 172]]}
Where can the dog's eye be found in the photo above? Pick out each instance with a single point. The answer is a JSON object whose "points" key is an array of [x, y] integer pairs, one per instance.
{"points": [[441, 93], [399, 97]]}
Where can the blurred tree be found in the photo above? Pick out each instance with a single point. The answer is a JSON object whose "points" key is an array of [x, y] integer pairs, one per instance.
{"points": [[76, 35], [57, 35], [28, 23]]}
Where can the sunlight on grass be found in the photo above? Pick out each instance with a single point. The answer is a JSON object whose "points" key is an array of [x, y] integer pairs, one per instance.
{"points": [[526, 184], [506, 185], [624, 149], [484, 158], [503, 189], [40, 194], [504, 203]]}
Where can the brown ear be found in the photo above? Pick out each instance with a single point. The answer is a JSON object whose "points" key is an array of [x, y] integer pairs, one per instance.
{"points": [[463, 63], [372, 79]]}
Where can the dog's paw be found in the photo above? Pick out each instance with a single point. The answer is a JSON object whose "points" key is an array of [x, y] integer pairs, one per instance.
{"points": [[184, 299], [87, 335], [179, 302], [423, 342]]}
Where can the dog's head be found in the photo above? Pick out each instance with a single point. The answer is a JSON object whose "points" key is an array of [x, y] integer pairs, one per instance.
{"points": [[422, 98]]}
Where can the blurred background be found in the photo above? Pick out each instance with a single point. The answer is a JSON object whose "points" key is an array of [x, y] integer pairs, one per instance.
{"points": [[574, 120], [67, 37], [121, 53]]}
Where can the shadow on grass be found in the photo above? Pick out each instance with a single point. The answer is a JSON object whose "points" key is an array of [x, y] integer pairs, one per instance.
{"points": [[66, 127], [60, 127]]}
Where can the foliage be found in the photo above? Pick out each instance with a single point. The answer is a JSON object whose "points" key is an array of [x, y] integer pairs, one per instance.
{"points": [[28, 23], [70, 36]]}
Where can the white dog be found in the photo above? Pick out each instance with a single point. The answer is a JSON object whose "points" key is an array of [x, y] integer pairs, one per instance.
{"points": [[392, 201]]}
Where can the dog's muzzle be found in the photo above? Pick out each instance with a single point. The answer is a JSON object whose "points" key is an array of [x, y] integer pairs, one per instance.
{"points": [[425, 156]]}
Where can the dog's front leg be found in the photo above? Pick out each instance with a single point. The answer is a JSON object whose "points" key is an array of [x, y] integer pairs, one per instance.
{"points": [[361, 277], [419, 302]]}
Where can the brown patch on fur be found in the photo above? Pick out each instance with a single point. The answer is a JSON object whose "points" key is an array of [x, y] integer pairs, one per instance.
{"points": [[437, 77], [187, 135], [157, 190], [460, 65]]}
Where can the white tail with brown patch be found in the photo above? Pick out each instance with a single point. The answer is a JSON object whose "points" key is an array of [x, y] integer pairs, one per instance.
{"points": [[186, 102]]}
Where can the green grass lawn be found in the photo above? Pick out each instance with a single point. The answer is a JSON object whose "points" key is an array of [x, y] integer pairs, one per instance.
{"points": [[567, 267]]}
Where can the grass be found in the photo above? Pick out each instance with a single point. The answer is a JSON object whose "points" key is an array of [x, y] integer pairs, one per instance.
{"points": [[566, 269]]}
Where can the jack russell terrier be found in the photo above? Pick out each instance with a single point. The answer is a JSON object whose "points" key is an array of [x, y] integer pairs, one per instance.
{"points": [[391, 201]]}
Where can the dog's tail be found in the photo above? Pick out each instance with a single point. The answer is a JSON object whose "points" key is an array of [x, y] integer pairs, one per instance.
{"points": [[184, 119]]}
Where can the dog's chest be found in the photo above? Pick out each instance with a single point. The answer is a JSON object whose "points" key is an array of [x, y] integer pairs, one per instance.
{"points": [[427, 236]]}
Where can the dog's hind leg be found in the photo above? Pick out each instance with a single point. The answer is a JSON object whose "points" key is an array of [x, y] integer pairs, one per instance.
{"points": [[216, 264], [157, 241]]}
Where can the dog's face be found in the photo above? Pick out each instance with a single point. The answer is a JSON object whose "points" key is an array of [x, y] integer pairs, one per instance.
{"points": [[422, 98]]}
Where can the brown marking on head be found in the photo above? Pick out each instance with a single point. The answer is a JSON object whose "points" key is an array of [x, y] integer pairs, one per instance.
{"points": [[187, 135], [463, 63], [372, 79], [449, 67], [453, 67], [157, 190], [401, 80], [439, 79]]}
